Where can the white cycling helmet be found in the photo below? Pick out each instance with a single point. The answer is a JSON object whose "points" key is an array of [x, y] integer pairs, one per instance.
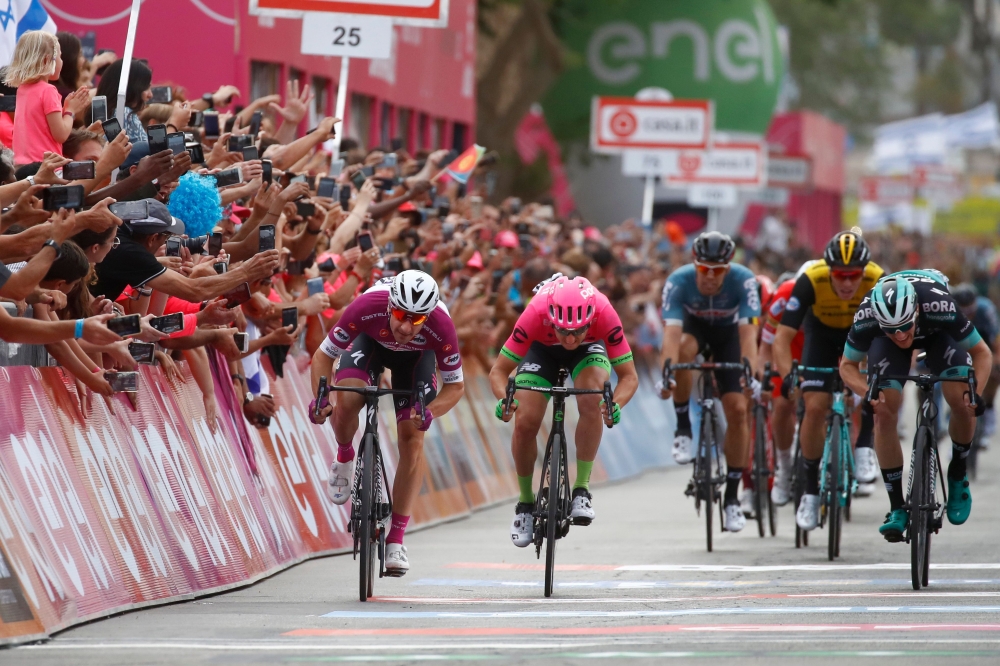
{"points": [[414, 291], [894, 302]]}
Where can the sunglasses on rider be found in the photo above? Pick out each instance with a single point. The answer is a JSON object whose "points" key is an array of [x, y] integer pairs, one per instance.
{"points": [[400, 315], [578, 332], [848, 275], [899, 329], [710, 269]]}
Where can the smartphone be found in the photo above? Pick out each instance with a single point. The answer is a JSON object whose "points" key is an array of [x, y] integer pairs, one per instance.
{"points": [[237, 296], [88, 45], [255, 120], [290, 317], [448, 159], [196, 151], [215, 244], [395, 144], [123, 382], [242, 341], [268, 175], [389, 161], [385, 184], [157, 135], [142, 352], [130, 210], [336, 167], [315, 285], [171, 323], [235, 144], [162, 95], [79, 170], [250, 153], [345, 197], [327, 188], [211, 121], [232, 176], [525, 242], [359, 179], [175, 141], [62, 196], [300, 178], [305, 209], [127, 325], [197, 119], [266, 236], [8, 103], [476, 204], [112, 128], [220, 267], [99, 109], [365, 241], [395, 265], [173, 247]]}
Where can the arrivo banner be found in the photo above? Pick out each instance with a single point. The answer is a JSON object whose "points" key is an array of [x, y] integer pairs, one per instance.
{"points": [[791, 171], [887, 190], [624, 123], [426, 13], [107, 506], [742, 164]]}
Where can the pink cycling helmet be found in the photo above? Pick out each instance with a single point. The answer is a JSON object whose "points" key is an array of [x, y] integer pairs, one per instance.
{"points": [[571, 303]]}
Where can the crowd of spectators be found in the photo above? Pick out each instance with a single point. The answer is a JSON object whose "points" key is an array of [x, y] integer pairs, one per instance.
{"points": [[182, 227]]}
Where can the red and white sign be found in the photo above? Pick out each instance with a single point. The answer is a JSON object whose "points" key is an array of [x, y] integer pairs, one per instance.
{"points": [[623, 123], [427, 13], [743, 164], [786, 170], [887, 190]]}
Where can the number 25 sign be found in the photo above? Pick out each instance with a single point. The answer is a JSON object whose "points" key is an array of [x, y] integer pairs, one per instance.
{"points": [[352, 35]]}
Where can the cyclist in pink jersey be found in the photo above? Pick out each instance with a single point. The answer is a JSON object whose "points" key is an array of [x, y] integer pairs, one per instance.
{"points": [[399, 324], [568, 324]]}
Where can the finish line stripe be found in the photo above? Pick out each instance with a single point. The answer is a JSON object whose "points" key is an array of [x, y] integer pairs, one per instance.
{"points": [[696, 584], [753, 610], [893, 566], [443, 601], [648, 629]]}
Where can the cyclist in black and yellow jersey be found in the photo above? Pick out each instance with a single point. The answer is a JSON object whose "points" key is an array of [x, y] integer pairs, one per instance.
{"points": [[825, 297]]}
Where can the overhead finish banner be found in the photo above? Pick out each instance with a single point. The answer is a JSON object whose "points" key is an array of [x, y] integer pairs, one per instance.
{"points": [[426, 13]]}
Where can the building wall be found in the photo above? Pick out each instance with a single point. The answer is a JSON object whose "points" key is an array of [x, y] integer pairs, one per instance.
{"points": [[423, 92]]}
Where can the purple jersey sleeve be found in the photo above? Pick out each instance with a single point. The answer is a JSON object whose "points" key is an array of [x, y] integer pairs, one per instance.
{"points": [[441, 329]]}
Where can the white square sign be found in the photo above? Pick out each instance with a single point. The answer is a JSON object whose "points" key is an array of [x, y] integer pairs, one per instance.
{"points": [[352, 35]]}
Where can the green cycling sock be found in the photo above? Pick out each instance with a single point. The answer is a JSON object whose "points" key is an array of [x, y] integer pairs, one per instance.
{"points": [[583, 469], [527, 494]]}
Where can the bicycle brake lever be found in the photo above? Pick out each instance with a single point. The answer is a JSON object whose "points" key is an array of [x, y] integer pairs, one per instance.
{"points": [[509, 397], [873, 389], [609, 399]]}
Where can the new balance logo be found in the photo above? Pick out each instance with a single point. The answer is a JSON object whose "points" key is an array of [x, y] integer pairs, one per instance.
{"points": [[531, 367]]}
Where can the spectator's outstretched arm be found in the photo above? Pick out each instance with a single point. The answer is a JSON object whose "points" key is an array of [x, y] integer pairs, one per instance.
{"points": [[349, 228], [204, 288], [149, 168], [21, 284], [381, 208], [33, 331], [295, 109], [286, 156]]}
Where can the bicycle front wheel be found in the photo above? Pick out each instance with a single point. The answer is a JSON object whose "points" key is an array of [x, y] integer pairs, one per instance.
{"points": [[833, 475], [365, 550], [917, 528], [552, 517], [760, 474]]}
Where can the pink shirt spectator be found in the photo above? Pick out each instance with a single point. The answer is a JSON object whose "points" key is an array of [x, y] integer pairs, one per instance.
{"points": [[32, 137]]}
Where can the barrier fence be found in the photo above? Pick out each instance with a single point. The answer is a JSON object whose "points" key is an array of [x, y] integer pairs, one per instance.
{"points": [[114, 505]]}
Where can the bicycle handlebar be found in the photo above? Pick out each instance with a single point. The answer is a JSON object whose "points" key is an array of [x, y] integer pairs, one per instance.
{"points": [[560, 390], [875, 377], [744, 367]]}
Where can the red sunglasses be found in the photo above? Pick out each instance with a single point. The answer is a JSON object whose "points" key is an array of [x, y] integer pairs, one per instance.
{"points": [[847, 275], [400, 315]]}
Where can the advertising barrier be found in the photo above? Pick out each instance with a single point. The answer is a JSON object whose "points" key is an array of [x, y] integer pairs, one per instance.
{"points": [[113, 505]]}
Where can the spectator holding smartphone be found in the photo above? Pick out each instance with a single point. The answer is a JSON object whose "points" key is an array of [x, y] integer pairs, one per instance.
{"points": [[138, 92], [43, 119]]}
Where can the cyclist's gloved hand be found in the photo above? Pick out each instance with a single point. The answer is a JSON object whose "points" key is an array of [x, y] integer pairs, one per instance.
{"points": [[755, 386], [499, 409], [324, 403], [786, 386], [616, 412], [659, 386], [428, 417], [980, 405]]}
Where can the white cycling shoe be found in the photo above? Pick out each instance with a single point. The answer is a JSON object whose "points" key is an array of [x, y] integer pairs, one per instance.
{"points": [[523, 527], [781, 491], [583, 510], [807, 517], [734, 518], [865, 465], [746, 502], [396, 562], [338, 484], [683, 449], [865, 490]]}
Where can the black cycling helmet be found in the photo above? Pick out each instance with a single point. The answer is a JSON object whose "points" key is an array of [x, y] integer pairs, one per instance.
{"points": [[964, 294], [714, 247], [847, 250]]}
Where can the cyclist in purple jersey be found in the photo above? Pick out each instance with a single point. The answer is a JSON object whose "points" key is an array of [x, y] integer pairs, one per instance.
{"points": [[399, 324]]}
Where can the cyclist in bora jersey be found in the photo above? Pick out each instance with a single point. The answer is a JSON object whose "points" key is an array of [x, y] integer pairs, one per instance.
{"points": [[983, 315], [399, 324], [710, 305], [568, 324], [823, 302], [905, 311]]}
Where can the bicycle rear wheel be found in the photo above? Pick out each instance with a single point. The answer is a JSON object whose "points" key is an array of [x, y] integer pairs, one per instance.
{"points": [[365, 550], [832, 495], [798, 489], [917, 528], [552, 517]]}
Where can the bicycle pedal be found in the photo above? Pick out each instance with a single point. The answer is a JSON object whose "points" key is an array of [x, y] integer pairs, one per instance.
{"points": [[394, 573], [583, 522]]}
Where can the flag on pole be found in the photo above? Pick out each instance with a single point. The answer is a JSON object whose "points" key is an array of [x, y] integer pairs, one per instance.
{"points": [[464, 164], [16, 18]]}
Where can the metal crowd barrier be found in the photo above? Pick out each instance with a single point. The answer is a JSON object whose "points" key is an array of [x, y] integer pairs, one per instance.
{"points": [[13, 353]]}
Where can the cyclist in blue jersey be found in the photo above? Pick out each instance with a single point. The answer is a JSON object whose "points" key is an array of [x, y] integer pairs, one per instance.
{"points": [[983, 315], [708, 308]]}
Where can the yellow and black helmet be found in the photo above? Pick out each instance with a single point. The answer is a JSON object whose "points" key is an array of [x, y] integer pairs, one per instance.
{"points": [[847, 250]]}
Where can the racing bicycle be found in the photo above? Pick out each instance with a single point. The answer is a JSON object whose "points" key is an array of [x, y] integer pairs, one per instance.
{"points": [[553, 503], [708, 477], [763, 458], [927, 494], [371, 499]]}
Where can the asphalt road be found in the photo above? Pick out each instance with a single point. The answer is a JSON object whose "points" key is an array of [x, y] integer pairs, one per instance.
{"points": [[637, 585]]}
